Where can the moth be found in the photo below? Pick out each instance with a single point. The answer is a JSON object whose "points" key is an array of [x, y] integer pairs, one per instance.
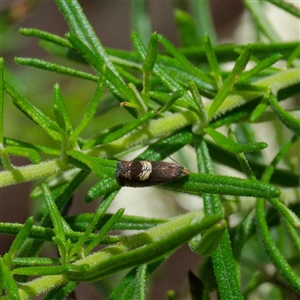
{"points": [[147, 173]]}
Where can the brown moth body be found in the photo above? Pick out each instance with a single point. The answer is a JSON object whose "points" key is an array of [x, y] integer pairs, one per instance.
{"points": [[146, 173]]}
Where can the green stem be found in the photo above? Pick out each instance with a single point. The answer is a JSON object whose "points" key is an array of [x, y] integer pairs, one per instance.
{"points": [[223, 261], [32, 172], [157, 129]]}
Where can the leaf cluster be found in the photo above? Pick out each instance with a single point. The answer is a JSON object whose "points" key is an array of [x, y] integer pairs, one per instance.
{"points": [[164, 93]]}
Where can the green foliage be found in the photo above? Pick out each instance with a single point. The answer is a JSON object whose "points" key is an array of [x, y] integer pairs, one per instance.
{"points": [[163, 93]]}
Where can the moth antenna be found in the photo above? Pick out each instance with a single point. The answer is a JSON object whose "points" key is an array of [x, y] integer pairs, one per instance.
{"points": [[171, 158], [174, 160]]}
